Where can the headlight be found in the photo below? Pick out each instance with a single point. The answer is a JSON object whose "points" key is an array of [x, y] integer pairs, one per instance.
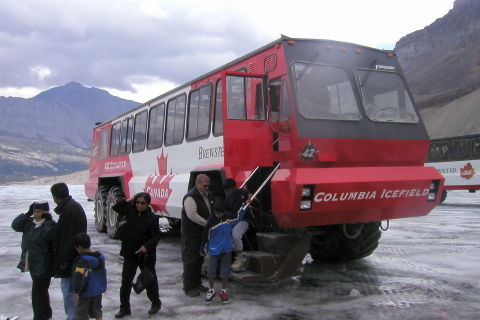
{"points": [[305, 205]]}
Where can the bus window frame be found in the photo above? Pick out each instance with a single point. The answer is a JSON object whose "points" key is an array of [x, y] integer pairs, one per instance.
{"points": [[117, 153], [126, 148], [188, 108], [263, 84], [347, 116], [285, 96], [386, 119], [165, 129], [104, 146], [162, 133], [142, 146], [217, 107]]}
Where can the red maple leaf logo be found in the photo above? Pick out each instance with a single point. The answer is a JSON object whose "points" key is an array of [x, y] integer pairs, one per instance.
{"points": [[158, 185], [467, 172]]}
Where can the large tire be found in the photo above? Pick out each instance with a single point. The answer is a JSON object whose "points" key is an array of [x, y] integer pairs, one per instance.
{"points": [[100, 208], [115, 195], [331, 245], [444, 196]]}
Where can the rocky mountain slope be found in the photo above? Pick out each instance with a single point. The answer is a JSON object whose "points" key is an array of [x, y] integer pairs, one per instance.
{"points": [[442, 65], [63, 115], [50, 134]]}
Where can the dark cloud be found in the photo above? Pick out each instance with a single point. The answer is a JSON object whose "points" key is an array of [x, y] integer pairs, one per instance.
{"points": [[102, 43]]}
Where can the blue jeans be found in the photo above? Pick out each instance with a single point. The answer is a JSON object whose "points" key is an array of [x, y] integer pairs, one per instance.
{"points": [[223, 262], [69, 304]]}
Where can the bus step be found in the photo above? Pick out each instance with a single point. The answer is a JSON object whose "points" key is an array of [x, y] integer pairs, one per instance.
{"points": [[261, 262], [275, 242], [247, 276]]}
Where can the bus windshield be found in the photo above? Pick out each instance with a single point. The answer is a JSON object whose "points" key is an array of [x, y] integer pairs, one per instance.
{"points": [[324, 92], [385, 97]]}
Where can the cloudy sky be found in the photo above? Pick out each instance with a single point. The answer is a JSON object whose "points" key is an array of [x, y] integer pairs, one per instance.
{"points": [[138, 49]]}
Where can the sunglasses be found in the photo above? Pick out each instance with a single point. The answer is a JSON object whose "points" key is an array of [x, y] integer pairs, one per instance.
{"points": [[142, 202], [206, 185]]}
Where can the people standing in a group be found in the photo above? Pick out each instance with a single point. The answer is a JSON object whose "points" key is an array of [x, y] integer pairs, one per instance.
{"points": [[89, 279], [139, 236], [37, 254], [217, 240], [235, 198], [71, 221], [197, 207]]}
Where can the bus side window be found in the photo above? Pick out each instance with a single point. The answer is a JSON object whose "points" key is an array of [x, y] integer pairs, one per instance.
{"points": [[126, 136], [218, 114], [139, 133], [175, 120], [465, 149], [236, 97], [198, 124], [155, 126], [274, 95], [115, 140], [103, 144], [476, 148]]}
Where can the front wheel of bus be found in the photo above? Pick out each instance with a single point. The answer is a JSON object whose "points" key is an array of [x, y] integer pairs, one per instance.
{"points": [[345, 242], [115, 195], [100, 208]]}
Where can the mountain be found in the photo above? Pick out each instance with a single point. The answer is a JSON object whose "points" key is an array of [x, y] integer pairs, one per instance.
{"points": [[63, 115], [50, 134], [442, 66]]}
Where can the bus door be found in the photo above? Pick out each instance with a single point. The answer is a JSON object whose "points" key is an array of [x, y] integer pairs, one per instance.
{"points": [[247, 136]]}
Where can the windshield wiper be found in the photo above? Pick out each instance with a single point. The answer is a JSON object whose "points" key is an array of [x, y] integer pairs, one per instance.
{"points": [[365, 77], [308, 65]]}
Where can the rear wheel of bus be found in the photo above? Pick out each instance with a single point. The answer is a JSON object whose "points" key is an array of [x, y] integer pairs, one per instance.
{"points": [[115, 195], [100, 208]]}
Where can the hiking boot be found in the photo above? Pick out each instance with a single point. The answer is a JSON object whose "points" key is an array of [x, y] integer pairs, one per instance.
{"points": [[192, 293], [202, 288], [238, 264], [210, 296], [224, 297], [123, 313], [154, 309]]}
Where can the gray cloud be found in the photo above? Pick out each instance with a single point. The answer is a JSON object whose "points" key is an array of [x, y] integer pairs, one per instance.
{"points": [[101, 43]]}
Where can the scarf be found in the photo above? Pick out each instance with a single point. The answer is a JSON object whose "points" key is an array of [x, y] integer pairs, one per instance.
{"points": [[38, 224]]}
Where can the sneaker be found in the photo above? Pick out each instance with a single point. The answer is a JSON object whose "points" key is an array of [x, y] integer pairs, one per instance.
{"points": [[224, 297], [210, 296], [238, 264]]}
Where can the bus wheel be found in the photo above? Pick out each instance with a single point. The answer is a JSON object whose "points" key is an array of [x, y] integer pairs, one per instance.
{"points": [[175, 224], [100, 208], [332, 245], [444, 196], [115, 195]]}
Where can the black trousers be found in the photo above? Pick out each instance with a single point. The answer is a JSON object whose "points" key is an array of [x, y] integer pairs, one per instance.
{"points": [[41, 298], [192, 263], [128, 274]]}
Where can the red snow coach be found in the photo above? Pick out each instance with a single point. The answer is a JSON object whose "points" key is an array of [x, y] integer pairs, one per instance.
{"points": [[328, 129]]}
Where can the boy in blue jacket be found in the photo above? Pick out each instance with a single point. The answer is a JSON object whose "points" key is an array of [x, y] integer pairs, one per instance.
{"points": [[89, 279], [217, 239]]}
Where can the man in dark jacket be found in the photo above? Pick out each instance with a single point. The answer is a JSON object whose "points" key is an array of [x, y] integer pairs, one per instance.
{"points": [[71, 221], [197, 206]]}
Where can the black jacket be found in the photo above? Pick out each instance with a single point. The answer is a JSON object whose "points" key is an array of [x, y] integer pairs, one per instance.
{"points": [[141, 229], [71, 221], [190, 228]]}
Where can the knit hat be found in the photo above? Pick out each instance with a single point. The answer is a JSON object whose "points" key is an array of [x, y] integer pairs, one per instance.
{"points": [[42, 205]]}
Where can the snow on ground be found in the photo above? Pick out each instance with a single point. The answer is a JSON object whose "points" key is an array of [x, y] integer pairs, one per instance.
{"points": [[424, 268]]}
